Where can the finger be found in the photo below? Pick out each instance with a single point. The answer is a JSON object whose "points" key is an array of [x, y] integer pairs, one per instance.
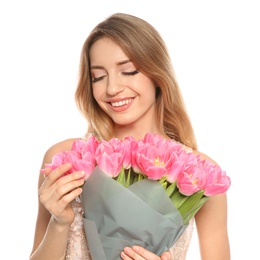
{"points": [[139, 253], [54, 175], [45, 172], [53, 189], [166, 256], [68, 183], [64, 185], [58, 207], [124, 256], [57, 197], [128, 254], [145, 254]]}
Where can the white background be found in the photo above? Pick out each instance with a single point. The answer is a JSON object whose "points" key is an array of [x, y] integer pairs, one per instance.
{"points": [[215, 51]]}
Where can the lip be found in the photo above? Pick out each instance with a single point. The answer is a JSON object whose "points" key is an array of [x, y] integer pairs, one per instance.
{"points": [[117, 107]]}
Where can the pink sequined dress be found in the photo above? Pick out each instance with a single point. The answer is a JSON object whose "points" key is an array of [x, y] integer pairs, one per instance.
{"points": [[77, 248]]}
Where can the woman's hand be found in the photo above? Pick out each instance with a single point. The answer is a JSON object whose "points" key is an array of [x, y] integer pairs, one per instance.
{"points": [[57, 191], [139, 253]]}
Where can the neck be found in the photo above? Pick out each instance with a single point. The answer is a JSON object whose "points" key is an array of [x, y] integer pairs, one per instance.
{"points": [[137, 132]]}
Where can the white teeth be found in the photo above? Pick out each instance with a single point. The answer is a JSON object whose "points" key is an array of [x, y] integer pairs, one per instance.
{"points": [[121, 103]]}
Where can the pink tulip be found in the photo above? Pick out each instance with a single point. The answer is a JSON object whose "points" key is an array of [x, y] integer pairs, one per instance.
{"points": [[176, 162], [217, 182], [152, 138], [191, 181], [81, 157], [153, 159], [110, 156], [86, 146], [128, 145], [135, 144], [64, 157]]}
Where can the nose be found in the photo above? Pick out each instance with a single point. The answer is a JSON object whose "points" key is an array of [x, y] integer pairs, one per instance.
{"points": [[114, 85]]}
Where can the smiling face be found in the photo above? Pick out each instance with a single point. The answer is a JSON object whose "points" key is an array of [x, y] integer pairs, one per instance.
{"points": [[124, 93]]}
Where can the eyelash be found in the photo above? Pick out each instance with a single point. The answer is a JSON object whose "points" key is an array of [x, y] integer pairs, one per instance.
{"points": [[97, 79], [132, 73]]}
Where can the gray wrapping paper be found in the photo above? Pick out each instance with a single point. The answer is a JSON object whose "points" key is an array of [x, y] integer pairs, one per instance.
{"points": [[115, 216]]}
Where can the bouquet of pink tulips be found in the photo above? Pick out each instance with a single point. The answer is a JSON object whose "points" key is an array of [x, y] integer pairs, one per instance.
{"points": [[134, 177]]}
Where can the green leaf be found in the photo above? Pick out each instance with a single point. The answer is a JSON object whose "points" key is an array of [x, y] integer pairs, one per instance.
{"points": [[195, 209], [135, 177], [164, 184], [170, 189], [121, 177], [163, 180], [140, 177], [191, 206], [129, 180], [178, 199]]}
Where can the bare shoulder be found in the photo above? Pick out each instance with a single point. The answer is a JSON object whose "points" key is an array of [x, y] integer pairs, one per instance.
{"points": [[205, 157], [64, 145]]}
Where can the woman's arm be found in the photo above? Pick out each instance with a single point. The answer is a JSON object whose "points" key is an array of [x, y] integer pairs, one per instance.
{"points": [[55, 214], [211, 223]]}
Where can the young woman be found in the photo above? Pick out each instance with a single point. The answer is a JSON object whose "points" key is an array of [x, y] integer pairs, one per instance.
{"points": [[126, 87]]}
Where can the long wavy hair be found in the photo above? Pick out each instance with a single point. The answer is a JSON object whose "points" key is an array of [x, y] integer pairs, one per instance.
{"points": [[144, 46]]}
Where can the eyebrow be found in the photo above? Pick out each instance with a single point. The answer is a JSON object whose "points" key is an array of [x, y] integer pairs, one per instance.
{"points": [[123, 62], [118, 63]]}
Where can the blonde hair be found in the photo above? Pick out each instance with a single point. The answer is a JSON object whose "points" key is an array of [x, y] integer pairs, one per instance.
{"points": [[144, 46]]}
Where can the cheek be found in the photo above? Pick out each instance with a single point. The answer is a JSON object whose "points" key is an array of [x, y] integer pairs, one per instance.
{"points": [[150, 94], [96, 93], [147, 83], [147, 87]]}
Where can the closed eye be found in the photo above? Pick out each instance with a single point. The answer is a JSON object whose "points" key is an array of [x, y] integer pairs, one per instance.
{"points": [[130, 73], [98, 79]]}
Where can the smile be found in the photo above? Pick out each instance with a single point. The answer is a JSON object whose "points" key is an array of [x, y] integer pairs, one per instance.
{"points": [[122, 102]]}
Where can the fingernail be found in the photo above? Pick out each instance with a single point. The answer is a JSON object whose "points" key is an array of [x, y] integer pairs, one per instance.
{"points": [[127, 250], [136, 248]]}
